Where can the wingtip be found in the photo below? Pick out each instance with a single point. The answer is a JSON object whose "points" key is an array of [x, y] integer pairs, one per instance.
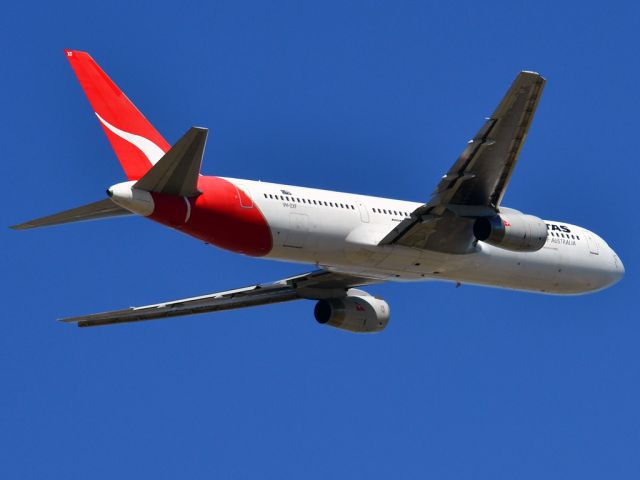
{"points": [[532, 73]]}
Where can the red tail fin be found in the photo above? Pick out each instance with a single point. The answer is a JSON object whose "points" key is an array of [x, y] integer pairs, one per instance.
{"points": [[137, 144]]}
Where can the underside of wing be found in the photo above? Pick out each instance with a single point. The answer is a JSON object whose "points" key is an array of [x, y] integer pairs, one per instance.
{"points": [[475, 185], [315, 285]]}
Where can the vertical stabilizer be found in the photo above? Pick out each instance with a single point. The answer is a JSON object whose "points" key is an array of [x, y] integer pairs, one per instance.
{"points": [[137, 144]]}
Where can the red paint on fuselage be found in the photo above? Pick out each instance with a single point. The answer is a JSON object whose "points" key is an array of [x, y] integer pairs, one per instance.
{"points": [[218, 217]]}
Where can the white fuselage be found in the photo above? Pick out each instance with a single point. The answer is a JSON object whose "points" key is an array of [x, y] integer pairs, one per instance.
{"points": [[341, 232]]}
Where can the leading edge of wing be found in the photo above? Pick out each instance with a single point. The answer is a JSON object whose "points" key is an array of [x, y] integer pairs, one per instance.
{"points": [[313, 285]]}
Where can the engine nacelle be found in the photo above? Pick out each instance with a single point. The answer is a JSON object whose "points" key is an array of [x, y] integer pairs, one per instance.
{"points": [[358, 314], [512, 231]]}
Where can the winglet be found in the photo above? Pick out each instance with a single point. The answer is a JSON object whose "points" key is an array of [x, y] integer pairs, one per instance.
{"points": [[176, 173]]}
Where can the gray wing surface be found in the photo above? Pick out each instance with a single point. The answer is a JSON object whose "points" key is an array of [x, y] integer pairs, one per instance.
{"points": [[314, 285], [475, 185], [93, 211]]}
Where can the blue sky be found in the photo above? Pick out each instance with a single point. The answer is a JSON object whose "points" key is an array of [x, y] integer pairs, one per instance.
{"points": [[370, 97]]}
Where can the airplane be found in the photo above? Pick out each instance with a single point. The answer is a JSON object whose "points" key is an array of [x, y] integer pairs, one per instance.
{"points": [[463, 234]]}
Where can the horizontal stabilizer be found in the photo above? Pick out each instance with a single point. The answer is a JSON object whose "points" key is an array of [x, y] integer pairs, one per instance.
{"points": [[94, 211], [176, 173]]}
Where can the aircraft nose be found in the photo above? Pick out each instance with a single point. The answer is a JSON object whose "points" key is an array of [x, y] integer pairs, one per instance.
{"points": [[618, 266]]}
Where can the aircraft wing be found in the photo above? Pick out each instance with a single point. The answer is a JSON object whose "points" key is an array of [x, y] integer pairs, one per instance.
{"points": [[314, 285], [475, 184]]}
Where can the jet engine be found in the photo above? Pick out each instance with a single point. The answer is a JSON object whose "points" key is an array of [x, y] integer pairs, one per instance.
{"points": [[355, 313], [512, 230]]}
